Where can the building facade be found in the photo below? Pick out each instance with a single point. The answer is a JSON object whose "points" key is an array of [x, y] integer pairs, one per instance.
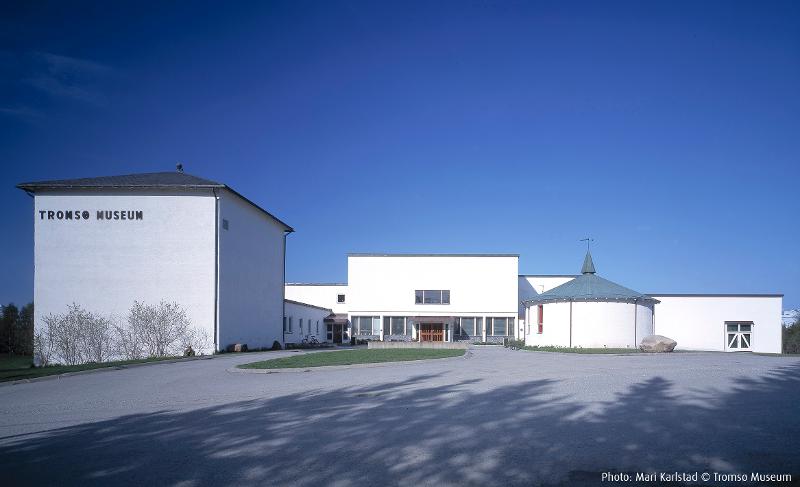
{"points": [[482, 298], [105, 243]]}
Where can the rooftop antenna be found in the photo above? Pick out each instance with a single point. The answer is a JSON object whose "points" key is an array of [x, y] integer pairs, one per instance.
{"points": [[179, 167], [588, 242]]}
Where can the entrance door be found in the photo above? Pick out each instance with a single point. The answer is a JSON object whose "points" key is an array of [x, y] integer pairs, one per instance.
{"points": [[431, 332], [337, 333], [738, 336]]}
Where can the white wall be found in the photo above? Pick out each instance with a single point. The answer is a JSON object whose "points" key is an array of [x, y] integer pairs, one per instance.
{"points": [[105, 266], [310, 315], [324, 295], [609, 324], [529, 286], [555, 331], [698, 322], [594, 324], [250, 274], [478, 284]]}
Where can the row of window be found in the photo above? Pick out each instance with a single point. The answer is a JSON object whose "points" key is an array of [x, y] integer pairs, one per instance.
{"points": [[288, 325], [399, 325]]}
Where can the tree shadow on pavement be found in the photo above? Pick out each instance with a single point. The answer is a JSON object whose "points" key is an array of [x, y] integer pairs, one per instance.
{"points": [[414, 432]]}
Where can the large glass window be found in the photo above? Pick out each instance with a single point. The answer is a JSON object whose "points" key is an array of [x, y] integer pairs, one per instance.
{"points": [[500, 326], [432, 296], [394, 325], [367, 325]]}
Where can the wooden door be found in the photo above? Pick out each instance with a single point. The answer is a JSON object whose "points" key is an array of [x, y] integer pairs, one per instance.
{"points": [[431, 332]]}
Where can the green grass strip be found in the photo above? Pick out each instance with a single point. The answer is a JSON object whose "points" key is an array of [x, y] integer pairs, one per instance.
{"points": [[351, 357], [19, 367]]}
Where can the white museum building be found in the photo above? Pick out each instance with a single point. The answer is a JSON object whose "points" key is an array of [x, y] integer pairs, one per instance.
{"points": [[483, 298], [105, 242]]}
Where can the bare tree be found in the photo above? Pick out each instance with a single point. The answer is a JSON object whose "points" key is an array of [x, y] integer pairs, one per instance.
{"points": [[65, 332], [163, 327], [128, 340], [96, 337]]}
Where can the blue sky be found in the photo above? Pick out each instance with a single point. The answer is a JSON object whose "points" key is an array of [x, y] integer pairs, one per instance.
{"points": [[669, 132]]}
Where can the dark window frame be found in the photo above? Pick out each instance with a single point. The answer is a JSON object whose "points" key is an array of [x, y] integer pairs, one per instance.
{"points": [[421, 296]]}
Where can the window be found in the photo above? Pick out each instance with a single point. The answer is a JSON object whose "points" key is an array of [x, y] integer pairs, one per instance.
{"points": [[224, 224], [436, 296], [290, 324], [284, 325], [469, 326], [367, 325], [499, 326], [301, 325], [317, 327], [541, 318], [340, 298], [397, 326]]}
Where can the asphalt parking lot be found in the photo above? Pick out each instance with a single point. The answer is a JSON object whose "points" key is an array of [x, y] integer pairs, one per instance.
{"points": [[495, 417]]}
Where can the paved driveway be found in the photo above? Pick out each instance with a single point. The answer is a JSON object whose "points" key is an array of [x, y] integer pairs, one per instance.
{"points": [[496, 417]]}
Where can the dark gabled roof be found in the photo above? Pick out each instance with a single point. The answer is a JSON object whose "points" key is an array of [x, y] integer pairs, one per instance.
{"points": [[588, 287], [172, 179], [150, 180]]}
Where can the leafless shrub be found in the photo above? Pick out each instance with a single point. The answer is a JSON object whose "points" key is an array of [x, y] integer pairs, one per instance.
{"points": [[97, 339], [163, 327], [64, 331], [43, 348], [128, 340], [80, 336]]}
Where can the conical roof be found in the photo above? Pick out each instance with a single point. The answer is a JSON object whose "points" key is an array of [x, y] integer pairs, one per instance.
{"points": [[589, 287], [588, 265]]}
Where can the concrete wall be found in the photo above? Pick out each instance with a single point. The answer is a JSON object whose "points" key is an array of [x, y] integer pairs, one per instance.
{"points": [[324, 295], [250, 274], [609, 324], [697, 322], [594, 324], [478, 285], [105, 265], [529, 286], [310, 316], [556, 326]]}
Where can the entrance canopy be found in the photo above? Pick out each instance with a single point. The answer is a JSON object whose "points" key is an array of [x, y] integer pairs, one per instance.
{"points": [[336, 319], [433, 319]]}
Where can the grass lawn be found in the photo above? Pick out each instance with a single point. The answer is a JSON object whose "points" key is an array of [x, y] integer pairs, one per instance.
{"points": [[582, 350], [350, 357], [19, 367]]}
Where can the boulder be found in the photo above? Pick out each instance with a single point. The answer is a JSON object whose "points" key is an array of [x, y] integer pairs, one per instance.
{"points": [[236, 347], [657, 344]]}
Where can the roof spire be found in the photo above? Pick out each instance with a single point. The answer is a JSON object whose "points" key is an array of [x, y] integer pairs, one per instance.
{"points": [[588, 265]]}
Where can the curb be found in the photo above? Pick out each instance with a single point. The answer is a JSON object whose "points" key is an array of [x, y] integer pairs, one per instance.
{"points": [[111, 368], [331, 368]]}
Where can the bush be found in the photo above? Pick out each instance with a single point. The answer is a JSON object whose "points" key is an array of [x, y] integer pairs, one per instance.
{"points": [[791, 338], [80, 336], [276, 345]]}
